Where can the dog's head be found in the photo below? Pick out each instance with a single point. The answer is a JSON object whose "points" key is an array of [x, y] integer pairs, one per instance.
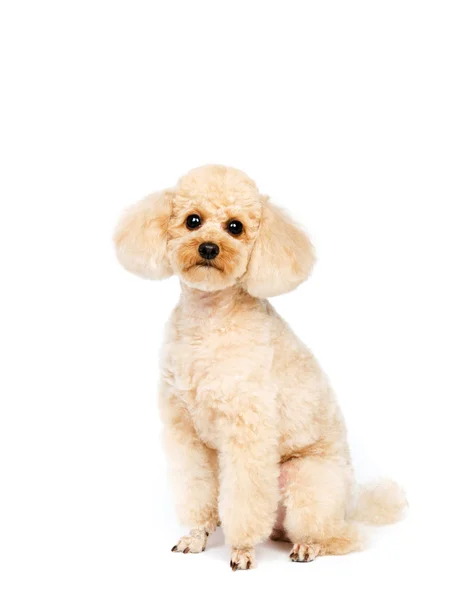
{"points": [[215, 230]]}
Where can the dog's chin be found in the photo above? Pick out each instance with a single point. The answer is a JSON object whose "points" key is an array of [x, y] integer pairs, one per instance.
{"points": [[207, 277]]}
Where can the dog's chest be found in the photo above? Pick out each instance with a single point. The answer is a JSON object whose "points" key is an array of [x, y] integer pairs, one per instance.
{"points": [[197, 365], [210, 364], [193, 359], [205, 353]]}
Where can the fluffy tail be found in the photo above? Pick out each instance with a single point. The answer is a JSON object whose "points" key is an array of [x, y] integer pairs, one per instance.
{"points": [[380, 503]]}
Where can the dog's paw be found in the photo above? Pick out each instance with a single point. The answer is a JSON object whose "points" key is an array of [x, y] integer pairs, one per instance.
{"points": [[193, 543], [242, 559], [304, 552]]}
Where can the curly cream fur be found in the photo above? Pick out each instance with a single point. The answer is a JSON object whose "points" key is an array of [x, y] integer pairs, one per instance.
{"points": [[254, 435]]}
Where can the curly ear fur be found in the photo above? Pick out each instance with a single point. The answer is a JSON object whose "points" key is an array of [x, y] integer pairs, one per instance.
{"points": [[141, 237], [282, 258]]}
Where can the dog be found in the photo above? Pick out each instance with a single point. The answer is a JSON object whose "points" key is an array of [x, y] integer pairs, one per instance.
{"points": [[254, 436]]}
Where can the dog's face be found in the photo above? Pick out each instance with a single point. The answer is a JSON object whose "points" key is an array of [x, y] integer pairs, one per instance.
{"points": [[215, 230], [213, 226]]}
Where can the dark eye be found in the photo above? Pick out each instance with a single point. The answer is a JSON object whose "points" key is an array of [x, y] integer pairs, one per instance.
{"points": [[193, 221], [235, 227]]}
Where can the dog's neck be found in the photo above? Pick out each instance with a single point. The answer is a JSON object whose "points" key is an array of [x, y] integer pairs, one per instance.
{"points": [[206, 304]]}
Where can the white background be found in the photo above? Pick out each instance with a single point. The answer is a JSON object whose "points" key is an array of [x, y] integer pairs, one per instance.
{"points": [[350, 114]]}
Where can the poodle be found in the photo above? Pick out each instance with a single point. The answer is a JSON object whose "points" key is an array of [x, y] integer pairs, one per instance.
{"points": [[254, 436]]}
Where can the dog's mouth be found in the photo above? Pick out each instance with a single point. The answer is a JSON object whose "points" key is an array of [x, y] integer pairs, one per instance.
{"points": [[205, 263], [208, 264]]}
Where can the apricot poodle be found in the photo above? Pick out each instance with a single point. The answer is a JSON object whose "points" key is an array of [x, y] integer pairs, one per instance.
{"points": [[254, 436]]}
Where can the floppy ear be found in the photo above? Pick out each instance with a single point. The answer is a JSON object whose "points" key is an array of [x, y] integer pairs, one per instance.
{"points": [[282, 256], [141, 237]]}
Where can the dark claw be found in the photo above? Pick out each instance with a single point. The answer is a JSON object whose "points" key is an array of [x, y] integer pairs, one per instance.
{"points": [[235, 566], [186, 550], [207, 533], [293, 556], [306, 558], [248, 566], [175, 548]]}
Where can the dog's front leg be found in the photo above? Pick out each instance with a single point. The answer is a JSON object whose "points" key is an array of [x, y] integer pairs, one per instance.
{"points": [[248, 461], [193, 473]]}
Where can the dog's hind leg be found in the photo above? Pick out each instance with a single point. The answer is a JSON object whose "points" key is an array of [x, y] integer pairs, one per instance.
{"points": [[315, 494]]}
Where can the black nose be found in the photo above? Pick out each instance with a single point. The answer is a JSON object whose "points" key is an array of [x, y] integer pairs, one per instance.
{"points": [[208, 250]]}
